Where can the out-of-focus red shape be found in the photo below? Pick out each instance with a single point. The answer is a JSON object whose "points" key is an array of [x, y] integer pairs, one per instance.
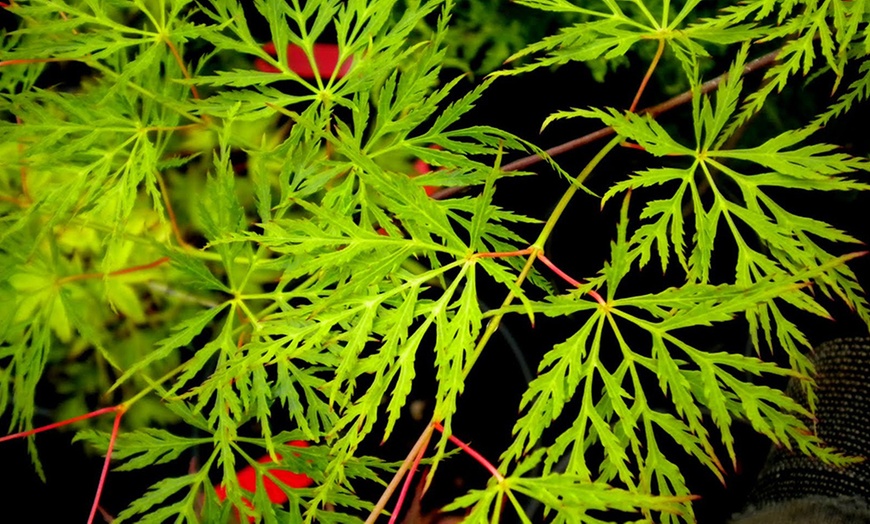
{"points": [[247, 477], [422, 168], [325, 57]]}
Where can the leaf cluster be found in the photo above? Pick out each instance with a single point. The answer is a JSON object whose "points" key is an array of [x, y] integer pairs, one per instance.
{"points": [[244, 254]]}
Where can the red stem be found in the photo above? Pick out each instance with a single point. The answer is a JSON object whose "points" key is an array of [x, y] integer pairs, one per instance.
{"points": [[169, 211], [648, 75], [85, 276], [630, 145], [62, 423], [407, 484], [19, 61], [422, 442], [504, 254], [180, 62], [558, 271], [475, 455], [120, 413], [569, 279]]}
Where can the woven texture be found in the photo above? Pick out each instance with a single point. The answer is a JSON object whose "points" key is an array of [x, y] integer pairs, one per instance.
{"points": [[843, 422], [809, 510], [795, 488]]}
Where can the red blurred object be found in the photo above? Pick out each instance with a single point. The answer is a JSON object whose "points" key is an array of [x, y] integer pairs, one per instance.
{"points": [[422, 168], [247, 477], [325, 57]]}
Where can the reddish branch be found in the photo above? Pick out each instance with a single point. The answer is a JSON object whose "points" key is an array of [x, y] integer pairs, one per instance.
{"points": [[648, 75], [119, 411], [56, 425], [708, 86], [126, 270], [473, 454]]}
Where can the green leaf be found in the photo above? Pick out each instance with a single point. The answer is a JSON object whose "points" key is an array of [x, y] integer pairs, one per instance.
{"points": [[643, 129], [144, 447], [196, 273], [184, 334]]}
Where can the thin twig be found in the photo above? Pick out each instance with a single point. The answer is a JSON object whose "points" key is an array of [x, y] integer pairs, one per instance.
{"points": [[20, 61], [504, 254], [594, 294], [54, 425], [115, 427], [84, 276], [25, 190], [180, 61], [667, 105], [474, 454], [407, 484], [169, 211], [422, 442], [648, 75]]}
